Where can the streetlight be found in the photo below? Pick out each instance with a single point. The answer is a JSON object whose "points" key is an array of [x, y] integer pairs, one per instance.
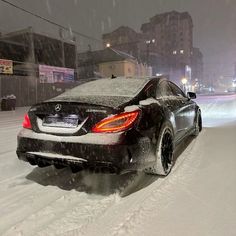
{"points": [[108, 45], [234, 83], [184, 81]]}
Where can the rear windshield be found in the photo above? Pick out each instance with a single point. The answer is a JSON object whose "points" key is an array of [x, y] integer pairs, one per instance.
{"points": [[109, 87]]}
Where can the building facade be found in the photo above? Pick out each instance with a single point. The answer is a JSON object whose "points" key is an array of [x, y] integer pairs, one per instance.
{"points": [[197, 66], [28, 50], [108, 62], [124, 39], [165, 43], [173, 34], [128, 40]]}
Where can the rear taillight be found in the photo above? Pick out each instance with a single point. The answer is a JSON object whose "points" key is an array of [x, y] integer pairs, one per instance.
{"points": [[116, 123], [26, 123]]}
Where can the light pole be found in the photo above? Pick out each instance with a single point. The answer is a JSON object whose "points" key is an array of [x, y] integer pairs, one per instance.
{"points": [[184, 81]]}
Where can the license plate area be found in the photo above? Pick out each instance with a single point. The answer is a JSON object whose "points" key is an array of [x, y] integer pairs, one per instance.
{"points": [[59, 121]]}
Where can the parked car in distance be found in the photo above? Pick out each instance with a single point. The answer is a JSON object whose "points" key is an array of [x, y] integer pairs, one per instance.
{"points": [[205, 90], [231, 90], [111, 125]]}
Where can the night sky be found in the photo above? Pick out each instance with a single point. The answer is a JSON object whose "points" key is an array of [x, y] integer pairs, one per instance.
{"points": [[214, 22]]}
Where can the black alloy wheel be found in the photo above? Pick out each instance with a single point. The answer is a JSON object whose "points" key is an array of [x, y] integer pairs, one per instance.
{"points": [[167, 151], [163, 152]]}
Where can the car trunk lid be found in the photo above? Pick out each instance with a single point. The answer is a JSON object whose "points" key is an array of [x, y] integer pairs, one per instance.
{"points": [[67, 118]]}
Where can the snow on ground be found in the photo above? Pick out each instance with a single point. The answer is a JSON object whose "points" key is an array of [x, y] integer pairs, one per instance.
{"points": [[197, 198], [218, 110]]}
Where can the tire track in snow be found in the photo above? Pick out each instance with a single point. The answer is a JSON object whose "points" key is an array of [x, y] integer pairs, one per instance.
{"points": [[9, 146], [21, 186], [79, 215], [75, 211], [8, 140], [161, 196], [28, 207], [20, 201], [70, 210], [119, 218], [2, 154], [10, 167], [41, 203]]}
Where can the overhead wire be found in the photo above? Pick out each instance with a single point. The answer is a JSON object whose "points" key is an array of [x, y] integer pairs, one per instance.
{"points": [[50, 21]]}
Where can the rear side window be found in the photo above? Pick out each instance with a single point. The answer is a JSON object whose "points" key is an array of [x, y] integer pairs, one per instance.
{"points": [[164, 90], [176, 90], [150, 90]]}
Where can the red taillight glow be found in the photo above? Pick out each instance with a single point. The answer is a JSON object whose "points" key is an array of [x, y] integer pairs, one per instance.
{"points": [[26, 123], [116, 123]]}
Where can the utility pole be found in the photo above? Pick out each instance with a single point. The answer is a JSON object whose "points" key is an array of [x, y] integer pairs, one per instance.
{"points": [[63, 53], [0, 86], [32, 62], [76, 59]]}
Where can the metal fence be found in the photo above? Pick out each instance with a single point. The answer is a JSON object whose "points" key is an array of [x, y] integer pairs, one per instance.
{"points": [[28, 90]]}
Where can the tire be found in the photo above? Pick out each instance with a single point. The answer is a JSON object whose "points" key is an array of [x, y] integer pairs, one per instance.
{"points": [[197, 124], [164, 152]]}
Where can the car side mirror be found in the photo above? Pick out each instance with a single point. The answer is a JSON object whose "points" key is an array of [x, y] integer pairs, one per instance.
{"points": [[191, 95]]}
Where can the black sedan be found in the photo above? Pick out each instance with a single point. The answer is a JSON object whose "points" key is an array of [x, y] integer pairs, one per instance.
{"points": [[111, 125]]}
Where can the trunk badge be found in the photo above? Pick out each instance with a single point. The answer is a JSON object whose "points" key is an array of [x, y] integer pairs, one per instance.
{"points": [[58, 107]]}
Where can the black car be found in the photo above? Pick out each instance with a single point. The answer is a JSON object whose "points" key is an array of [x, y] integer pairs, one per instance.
{"points": [[110, 125]]}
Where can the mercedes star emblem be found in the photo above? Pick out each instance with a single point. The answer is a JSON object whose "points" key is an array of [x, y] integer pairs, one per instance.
{"points": [[58, 107]]}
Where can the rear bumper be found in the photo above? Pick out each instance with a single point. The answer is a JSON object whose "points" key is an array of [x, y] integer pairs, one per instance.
{"points": [[110, 152], [76, 164]]}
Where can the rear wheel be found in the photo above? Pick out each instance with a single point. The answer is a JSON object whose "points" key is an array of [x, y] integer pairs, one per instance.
{"points": [[164, 152]]}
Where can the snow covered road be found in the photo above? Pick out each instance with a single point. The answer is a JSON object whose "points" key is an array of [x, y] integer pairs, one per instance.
{"points": [[197, 198]]}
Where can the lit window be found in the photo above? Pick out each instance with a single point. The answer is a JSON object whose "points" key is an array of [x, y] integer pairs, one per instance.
{"points": [[174, 52], [181, 51]]}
